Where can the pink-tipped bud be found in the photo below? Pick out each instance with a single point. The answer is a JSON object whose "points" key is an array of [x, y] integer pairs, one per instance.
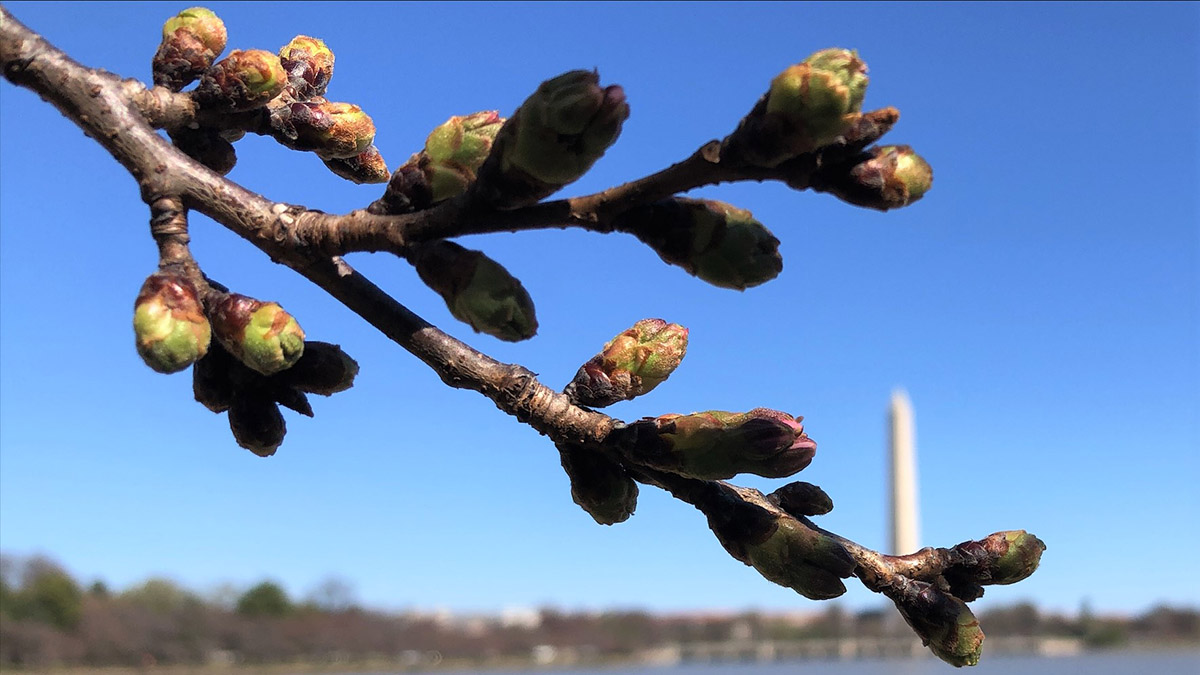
{"points": [[716, 445]]}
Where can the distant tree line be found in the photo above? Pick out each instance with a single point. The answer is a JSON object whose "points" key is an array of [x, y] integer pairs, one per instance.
{"points": [[48, 618]]}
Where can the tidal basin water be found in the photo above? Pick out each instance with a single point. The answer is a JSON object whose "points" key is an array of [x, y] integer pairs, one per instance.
{"points": [[1105, 663]]}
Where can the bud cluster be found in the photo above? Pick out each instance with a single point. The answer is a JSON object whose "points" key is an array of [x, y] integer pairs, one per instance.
{"points": [[598, 484], [290, 84], [222, 383], [715, 241], [556, 135], [631, 364], [936, 610], [478, 291], [191, 42], [716, 445]]}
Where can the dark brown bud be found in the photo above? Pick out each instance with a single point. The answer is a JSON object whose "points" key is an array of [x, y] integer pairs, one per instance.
{"points": [[407, 190], [802, 499], [213, 382], [257, 424], [598, 485], [293, 399], [207, 147], [323, 369]]}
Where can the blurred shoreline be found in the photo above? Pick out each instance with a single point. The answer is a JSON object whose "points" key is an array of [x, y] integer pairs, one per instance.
{"points": [[49, 622]]}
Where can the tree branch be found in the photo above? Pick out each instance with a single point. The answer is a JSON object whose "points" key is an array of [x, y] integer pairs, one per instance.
{"points": [[760, 530]]}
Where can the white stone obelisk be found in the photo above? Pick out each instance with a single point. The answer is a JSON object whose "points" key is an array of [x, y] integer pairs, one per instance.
{"points": [[903, 455]]}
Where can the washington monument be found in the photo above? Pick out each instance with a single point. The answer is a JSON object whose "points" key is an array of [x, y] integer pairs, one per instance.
{"points": [[903, 455]]}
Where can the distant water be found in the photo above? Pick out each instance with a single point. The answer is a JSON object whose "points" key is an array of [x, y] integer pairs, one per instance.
{"points": [[1107, 663]]}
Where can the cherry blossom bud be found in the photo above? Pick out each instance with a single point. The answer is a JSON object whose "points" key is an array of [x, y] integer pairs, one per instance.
{"points": [[169, 323], [631, 364], [309, 66], [718, 242], [259, 334], [477, 290], [244, 80], [554, 138]]}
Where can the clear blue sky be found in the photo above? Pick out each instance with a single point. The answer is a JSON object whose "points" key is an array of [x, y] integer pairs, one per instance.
{"points": [[1040, 305]]}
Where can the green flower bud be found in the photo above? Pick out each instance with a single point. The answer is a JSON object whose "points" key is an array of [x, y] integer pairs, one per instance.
{"points": [[191, 42], [943, 622], [802, 499], [815, 96], [631, 364], [912, 171], [244, 80], [477, 290], [367, 166], [261, 335], [716, 445], [323, 369], [207, 147], [180, 60], [456, 149], [257, 424], [1013, 555], [804, 560], [598, 485], [331, 130], [715, 241], [554, 138], [201, 22], [309, 65], [886, 177], [169, 324], [810, 105]]}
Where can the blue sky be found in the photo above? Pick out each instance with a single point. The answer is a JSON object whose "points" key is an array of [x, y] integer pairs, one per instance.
{"points": [[1040, 305]]}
